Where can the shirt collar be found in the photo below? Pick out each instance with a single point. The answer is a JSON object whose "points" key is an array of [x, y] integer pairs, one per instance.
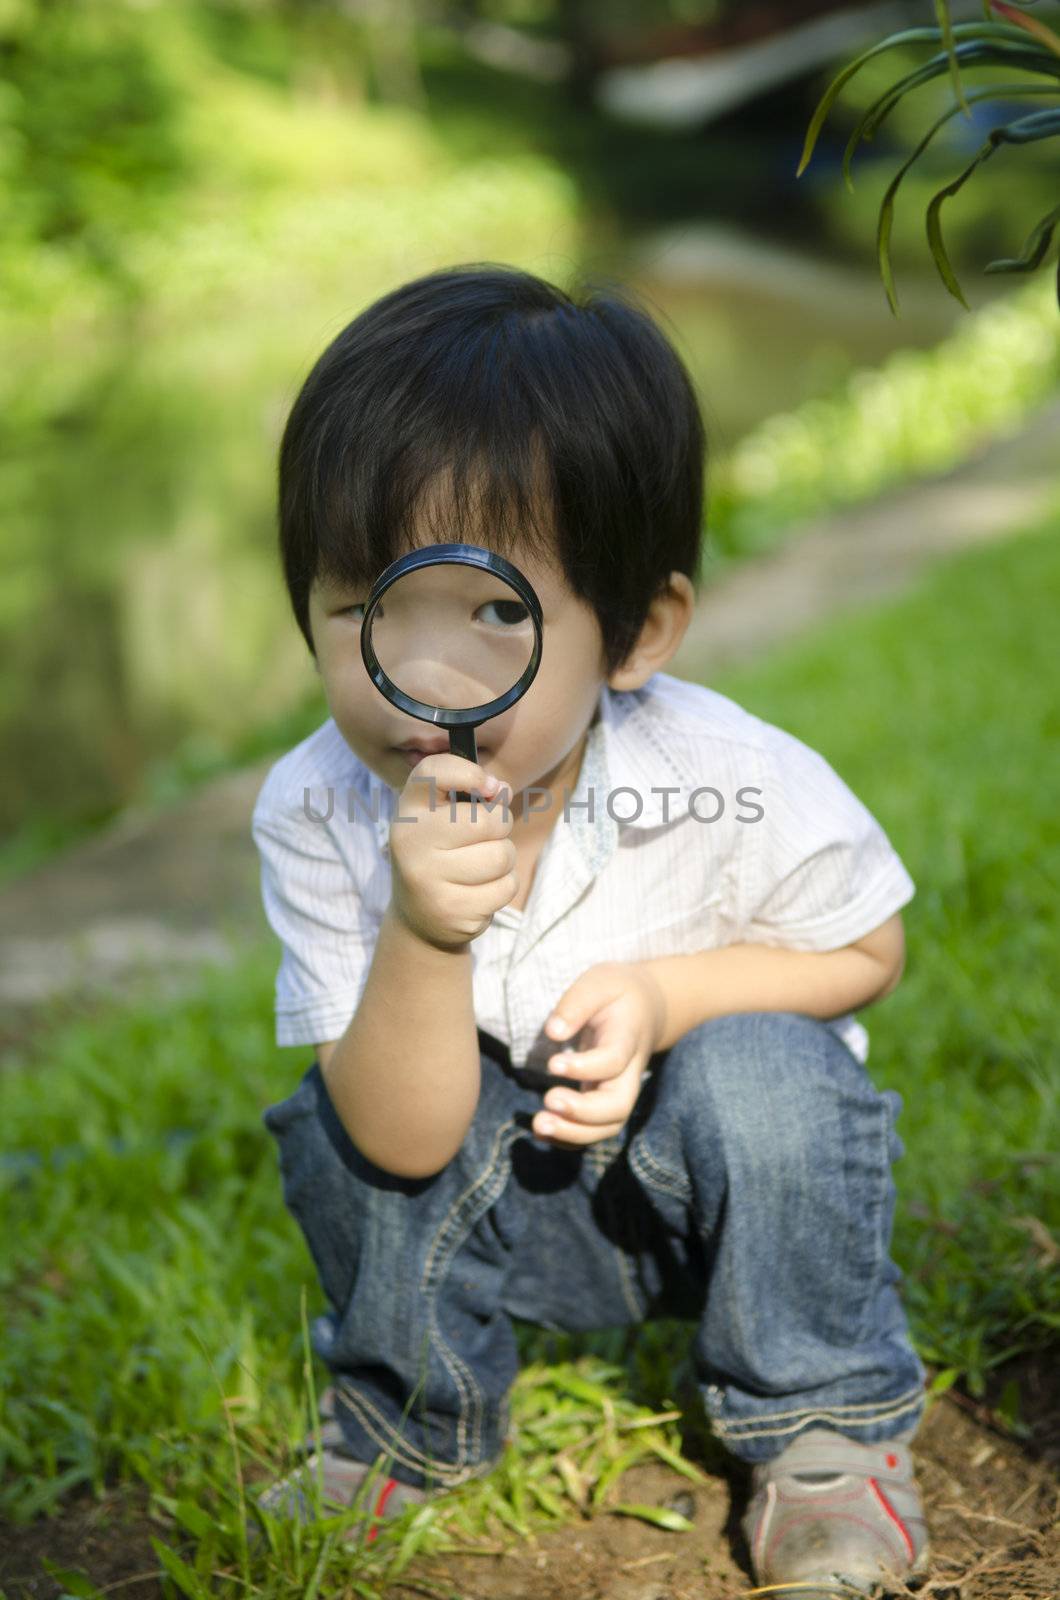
{"points": [[638, 759]]}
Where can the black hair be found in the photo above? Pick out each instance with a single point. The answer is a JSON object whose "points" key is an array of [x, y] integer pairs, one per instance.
{"points": [[565, 424]]}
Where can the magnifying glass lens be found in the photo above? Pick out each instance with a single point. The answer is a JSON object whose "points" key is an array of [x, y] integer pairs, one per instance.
{"points": [[452, 635]]}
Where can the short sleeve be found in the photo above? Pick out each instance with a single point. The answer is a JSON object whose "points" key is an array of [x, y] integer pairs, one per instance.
{"points": [[313, 906], [821, 872]]}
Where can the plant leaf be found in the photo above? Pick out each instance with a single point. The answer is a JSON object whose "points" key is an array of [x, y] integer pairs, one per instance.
{"points": [[942, 11], [1033, 252], [973, 52], [1040, 125], [886, 213], [1032, 25], [961, 30]]}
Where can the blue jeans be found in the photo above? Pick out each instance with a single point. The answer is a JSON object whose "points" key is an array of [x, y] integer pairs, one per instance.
{"points": [[750, 1192]]}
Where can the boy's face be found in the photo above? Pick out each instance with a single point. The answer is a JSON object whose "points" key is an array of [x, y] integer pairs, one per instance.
{"points": [[537, 741]]}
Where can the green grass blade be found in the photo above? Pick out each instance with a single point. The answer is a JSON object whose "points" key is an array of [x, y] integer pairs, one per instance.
{"points": [[548, 1501], [581, 1388], [614, 1470], [659, 1516], [72, 1581], [185, 1578], [673, 1459]]}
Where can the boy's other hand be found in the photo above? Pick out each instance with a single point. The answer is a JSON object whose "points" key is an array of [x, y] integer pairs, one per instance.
{"points": [[621, 1006], [452, 861]]}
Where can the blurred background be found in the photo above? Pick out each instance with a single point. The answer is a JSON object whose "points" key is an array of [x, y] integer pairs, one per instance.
{"points": [[198, 194]]}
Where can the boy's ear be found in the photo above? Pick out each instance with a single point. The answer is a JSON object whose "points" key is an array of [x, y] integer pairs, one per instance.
{"points": [[664, 628]]}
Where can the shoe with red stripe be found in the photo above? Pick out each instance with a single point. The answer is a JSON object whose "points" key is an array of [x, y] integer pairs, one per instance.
{"points": [[832, 1511], [329, 1481]]}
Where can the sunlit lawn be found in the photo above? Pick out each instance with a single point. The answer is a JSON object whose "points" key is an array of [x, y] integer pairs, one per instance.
{"points": [[152, 1280]]}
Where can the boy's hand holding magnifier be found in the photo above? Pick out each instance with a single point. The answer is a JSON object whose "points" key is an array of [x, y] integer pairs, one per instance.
{"points": [[451, 634]]}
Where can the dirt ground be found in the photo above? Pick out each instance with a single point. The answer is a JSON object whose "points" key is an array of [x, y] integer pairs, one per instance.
{"points": [[993, 1506]]}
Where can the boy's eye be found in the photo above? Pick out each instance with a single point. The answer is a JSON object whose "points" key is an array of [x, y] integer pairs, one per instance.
{"points": [[511, 613]]}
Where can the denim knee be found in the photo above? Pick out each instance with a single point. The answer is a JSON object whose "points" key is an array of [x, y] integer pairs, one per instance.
{"points": [[771, 1080], [770, 1097]]}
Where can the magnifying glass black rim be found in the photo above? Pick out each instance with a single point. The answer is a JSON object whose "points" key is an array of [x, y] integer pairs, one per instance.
{"points": [[433, 555]]}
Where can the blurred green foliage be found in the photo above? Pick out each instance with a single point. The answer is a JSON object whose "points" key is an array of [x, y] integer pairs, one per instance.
{"points": [[920, 412], [152, 356], [92, 143]]}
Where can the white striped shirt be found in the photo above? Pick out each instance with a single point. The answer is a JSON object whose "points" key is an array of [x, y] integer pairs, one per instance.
{"points": [[673, 857]]}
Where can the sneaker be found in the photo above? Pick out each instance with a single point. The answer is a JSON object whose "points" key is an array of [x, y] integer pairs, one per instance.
{"points": [[831, 1510], [341, 1479]]}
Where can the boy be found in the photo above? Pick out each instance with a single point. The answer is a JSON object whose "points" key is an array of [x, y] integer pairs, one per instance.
{"points": [[690, 892]]}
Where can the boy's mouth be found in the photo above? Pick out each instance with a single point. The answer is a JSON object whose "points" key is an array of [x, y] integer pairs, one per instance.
{"points": [[415, 750], [425, 743]]}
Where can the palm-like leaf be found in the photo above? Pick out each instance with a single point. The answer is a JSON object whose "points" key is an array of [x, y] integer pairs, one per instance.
{"points": [[883, 230], [968, 55], [942, 11], [1040, 125], [1022, 42], [962, 30], [1032, 25], [1033, 252]]}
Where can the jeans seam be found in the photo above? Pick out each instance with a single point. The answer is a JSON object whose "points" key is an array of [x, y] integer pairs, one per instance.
{"points": [[752, 1426], [468, 1391], [401, 1450], [673, 1183], [880, 1240], [388, 1440]]}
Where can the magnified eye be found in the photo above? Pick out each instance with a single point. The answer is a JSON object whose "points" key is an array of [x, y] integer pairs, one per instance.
{"points": [[511, 613]]}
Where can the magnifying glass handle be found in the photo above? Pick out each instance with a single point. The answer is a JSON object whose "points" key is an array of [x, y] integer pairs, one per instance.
{"points": [[462, 743]]}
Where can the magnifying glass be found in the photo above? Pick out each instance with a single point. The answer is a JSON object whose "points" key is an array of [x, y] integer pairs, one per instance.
{"points": [[451, 633]]}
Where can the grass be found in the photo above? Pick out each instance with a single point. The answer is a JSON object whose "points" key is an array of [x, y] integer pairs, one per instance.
{"points": [[155, 1294], [939, 711]]}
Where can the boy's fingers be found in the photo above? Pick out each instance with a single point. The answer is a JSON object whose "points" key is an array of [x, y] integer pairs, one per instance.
{"points": [[570, 1133], [590, 1109], [602, 1061]]}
